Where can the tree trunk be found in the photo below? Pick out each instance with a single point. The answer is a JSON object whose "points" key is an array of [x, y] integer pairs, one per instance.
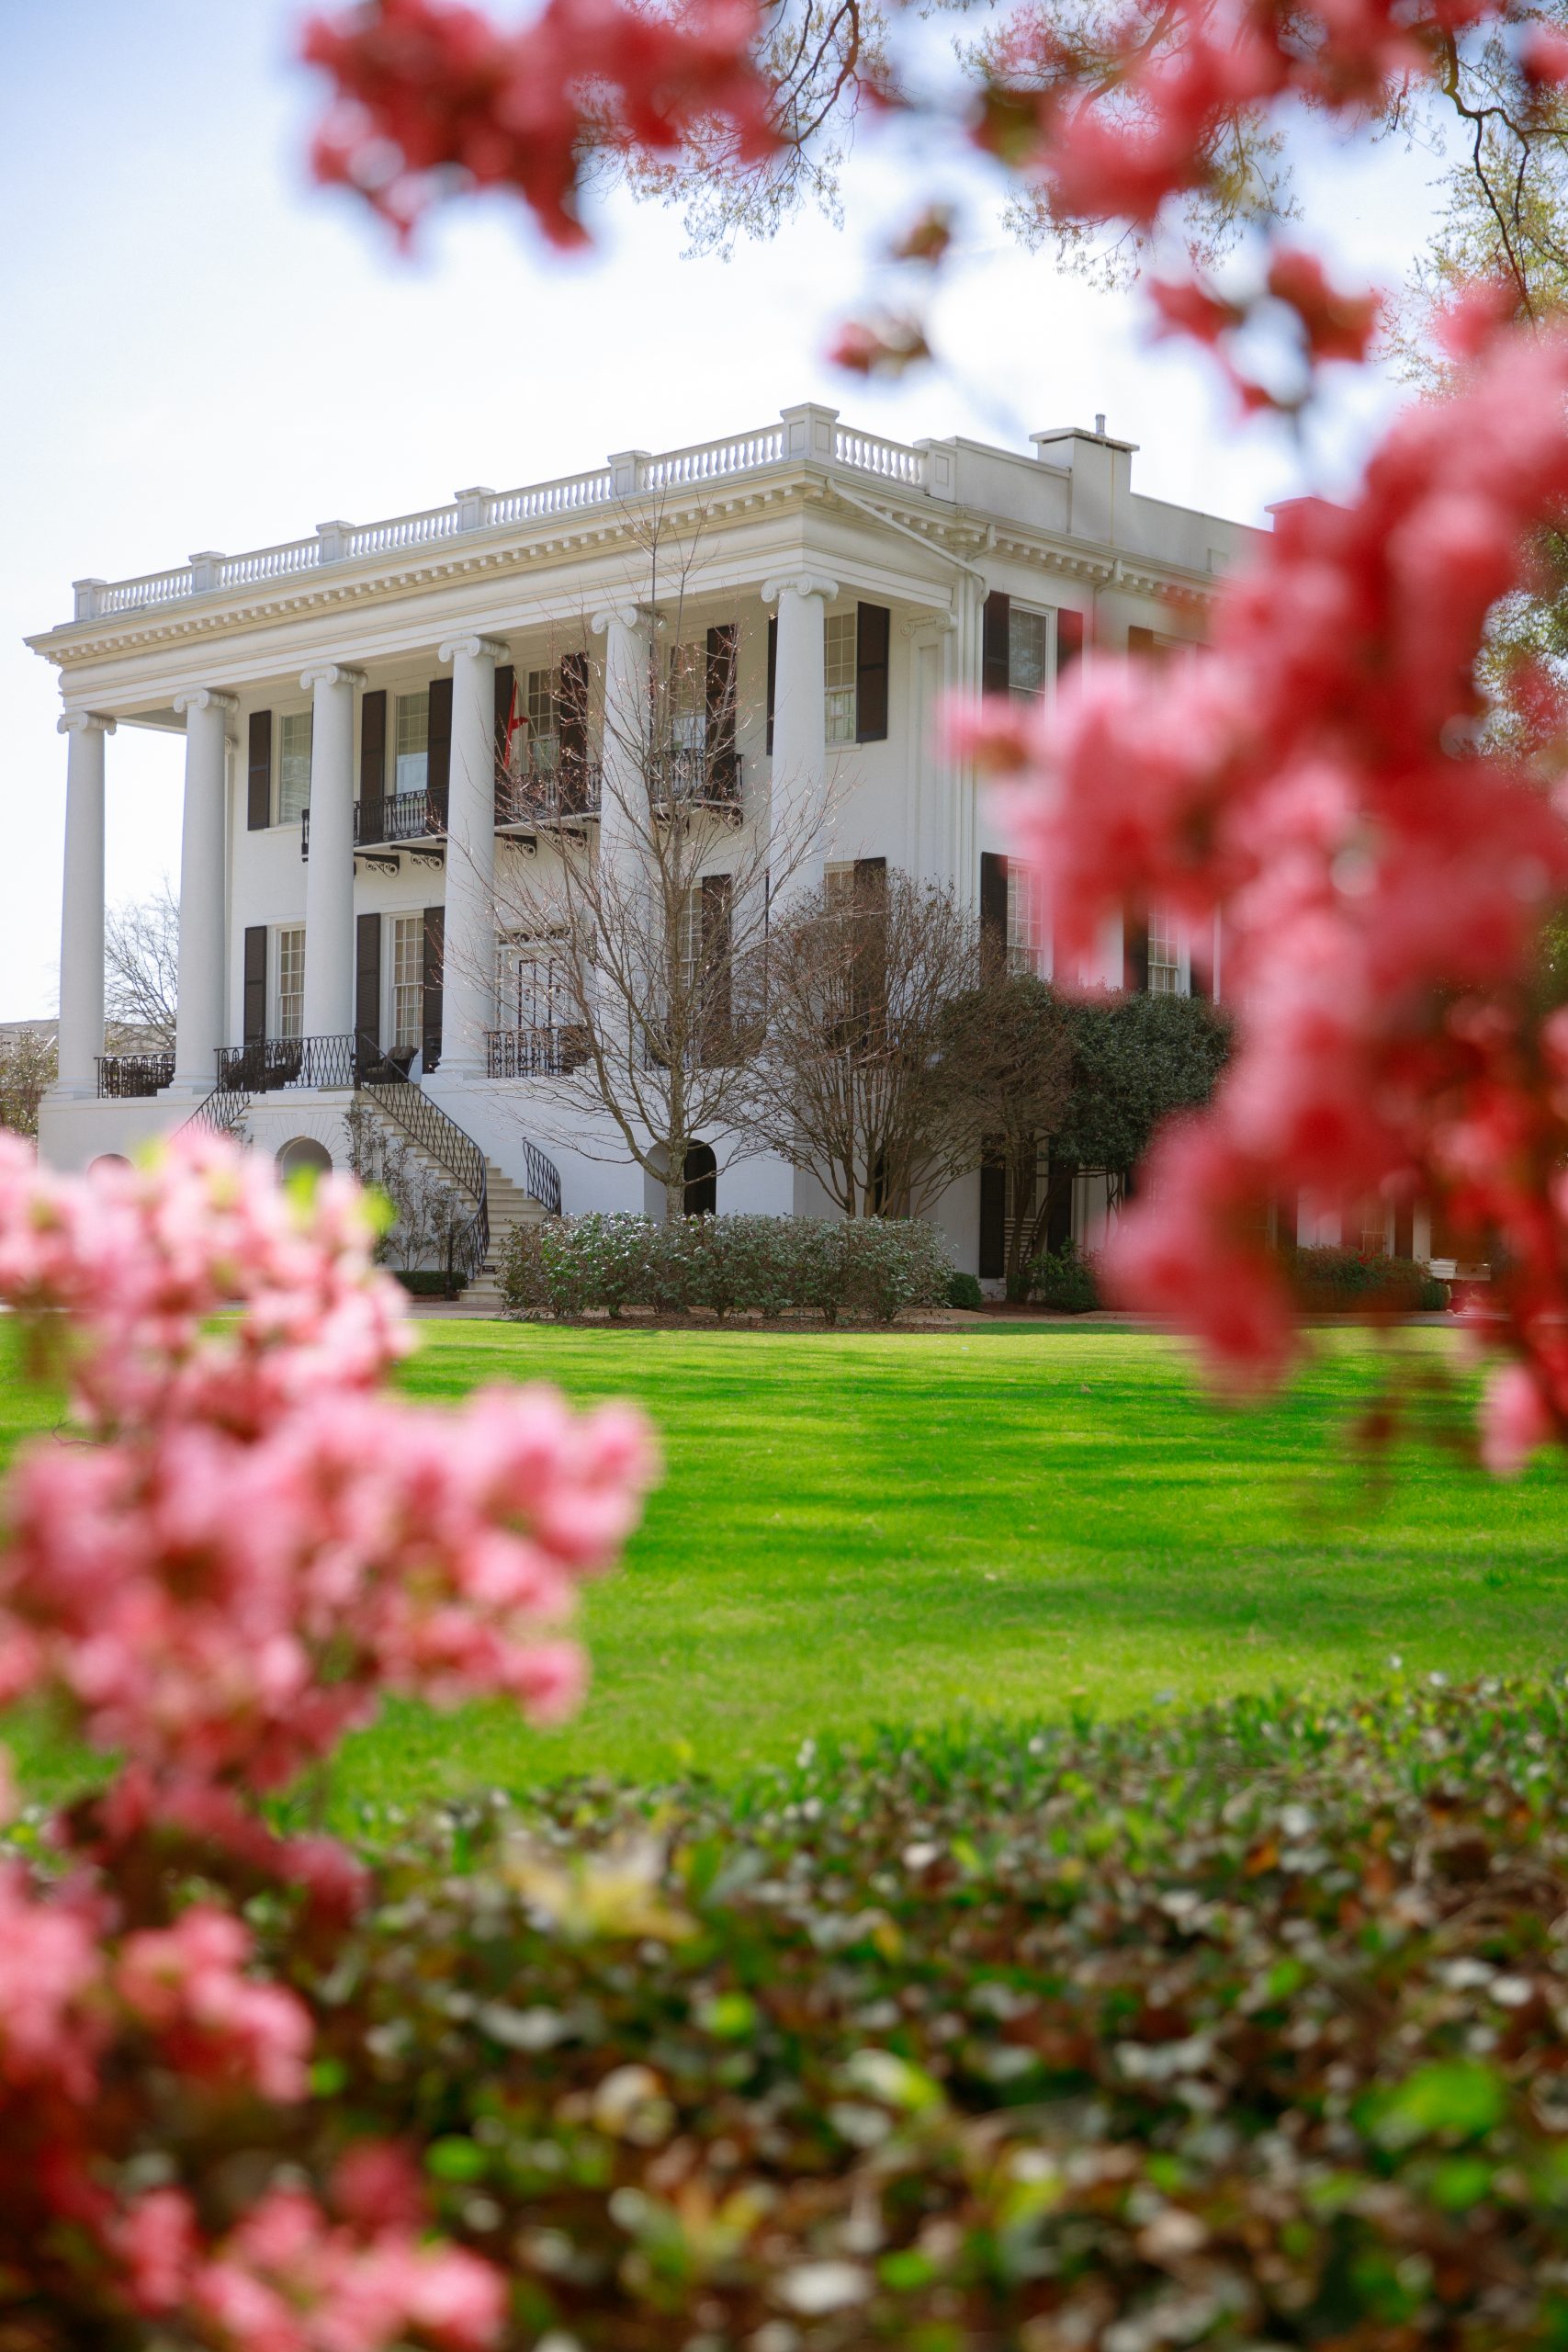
{"points": [[675, 1188]]}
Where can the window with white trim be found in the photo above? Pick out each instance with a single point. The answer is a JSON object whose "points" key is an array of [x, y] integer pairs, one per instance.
{"points": [[1164, 954], [293, 765], [291, 981], [411, 750], [688, 696], [1026, 654], [1026, 931], [839, 677], [408, 983], [544, 722]]}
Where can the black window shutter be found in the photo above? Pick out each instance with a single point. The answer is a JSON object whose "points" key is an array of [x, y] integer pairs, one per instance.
{"points": [[870, 881], [873, 623], [1058, 1206], [722, 643], [572, 708], [505, 683], [373, 744], [1135, 959], [435, 962], [993, 908], [438, 759], [1069, 639], [993, 1219], [996, 660], [255, 1013], [258, 776], [367, 981], [773, 671], [718, 897]]}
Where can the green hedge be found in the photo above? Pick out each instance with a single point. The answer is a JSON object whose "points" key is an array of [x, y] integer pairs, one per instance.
{"points": [[1236, 2028], [1065, 1280], [730, 1265], [422, 1281], [1326, 1279]]}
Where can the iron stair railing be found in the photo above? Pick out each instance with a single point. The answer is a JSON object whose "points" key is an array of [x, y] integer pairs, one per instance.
{"points": [[450, 1146]]}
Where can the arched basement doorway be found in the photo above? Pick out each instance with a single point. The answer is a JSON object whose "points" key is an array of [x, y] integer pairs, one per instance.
{"points": [[702, 1180], [304, 1151]]}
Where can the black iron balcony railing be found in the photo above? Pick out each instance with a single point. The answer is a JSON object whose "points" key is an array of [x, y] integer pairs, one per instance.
{"points": [[390, 821], [695, 775], [554, 795], [536, 1053], [127, 1076], [268, 1063]]}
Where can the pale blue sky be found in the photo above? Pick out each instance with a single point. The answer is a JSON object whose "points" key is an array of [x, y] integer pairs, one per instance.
{"points": [[200, 350]]}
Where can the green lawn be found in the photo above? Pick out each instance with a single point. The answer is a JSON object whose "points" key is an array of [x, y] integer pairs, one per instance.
{"points": [[864, 1530]]}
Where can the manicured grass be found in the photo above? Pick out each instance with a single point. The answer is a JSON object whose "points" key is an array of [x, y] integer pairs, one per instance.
{"points": [[867, 1530]]}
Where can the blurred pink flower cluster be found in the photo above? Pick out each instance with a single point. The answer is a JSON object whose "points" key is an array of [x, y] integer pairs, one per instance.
{"points": [[237, 1550], [431, 95], [1320, 775]]}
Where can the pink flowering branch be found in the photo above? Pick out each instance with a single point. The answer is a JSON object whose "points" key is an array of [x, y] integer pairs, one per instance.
{"points": [[1321, 777], [239, 1547]]}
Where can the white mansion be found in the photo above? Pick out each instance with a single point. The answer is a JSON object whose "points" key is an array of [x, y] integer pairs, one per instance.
{"points": [[378, 717]]}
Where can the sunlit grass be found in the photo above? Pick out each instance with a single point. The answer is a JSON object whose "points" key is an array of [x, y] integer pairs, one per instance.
{"points": [[907, 1529]]}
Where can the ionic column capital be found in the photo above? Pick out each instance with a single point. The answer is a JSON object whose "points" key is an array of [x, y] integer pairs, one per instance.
{"points": [[799, 583], [208, 698], [85, 722], [488, 648], [630, 617], [331, 673]]}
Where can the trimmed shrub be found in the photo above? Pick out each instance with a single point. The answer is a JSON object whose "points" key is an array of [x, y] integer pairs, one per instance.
{"points": [[427, 1282], [1330, 1279], [893, 1264], [1434, 1297], [1064, 1280], [963, 1290], [730, 1264], [1229, 2028]]}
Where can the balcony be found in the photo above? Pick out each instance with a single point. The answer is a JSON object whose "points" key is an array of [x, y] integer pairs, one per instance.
{"points": [[540, 798], [391, 820], [269, 1064], [124, 1077], [536, 1053], [695, 776]]}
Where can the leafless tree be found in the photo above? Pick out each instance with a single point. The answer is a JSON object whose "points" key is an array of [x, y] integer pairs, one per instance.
{"points": [[634, 938], [28, 1067], [856, 1081], [142, 961]]}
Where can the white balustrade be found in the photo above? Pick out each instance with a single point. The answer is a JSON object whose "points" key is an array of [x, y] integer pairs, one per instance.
{"points": [[269, 563], [572, 494]]}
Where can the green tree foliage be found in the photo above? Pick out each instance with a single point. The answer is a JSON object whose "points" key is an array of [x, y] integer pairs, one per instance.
{"points": [[1136, 1060]]}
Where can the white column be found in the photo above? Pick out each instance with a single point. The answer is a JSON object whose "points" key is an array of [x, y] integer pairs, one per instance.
{"points": [[800, 759], [82, 904], [469, 1004], [199, 1027], [329, 873], [625, 804]]}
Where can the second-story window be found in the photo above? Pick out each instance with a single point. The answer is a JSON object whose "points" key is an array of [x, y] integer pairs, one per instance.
{"points": [[544, 722], [688, 696], [1026, 654], [291, 981], [1026, 931], [412, 749], [408, 983], [839, 677], [293, 765]]}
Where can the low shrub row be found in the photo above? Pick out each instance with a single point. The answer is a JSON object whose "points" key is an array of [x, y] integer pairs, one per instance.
{"points": [[1233, 2028], [729, 1265], [1325, 1280]]}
